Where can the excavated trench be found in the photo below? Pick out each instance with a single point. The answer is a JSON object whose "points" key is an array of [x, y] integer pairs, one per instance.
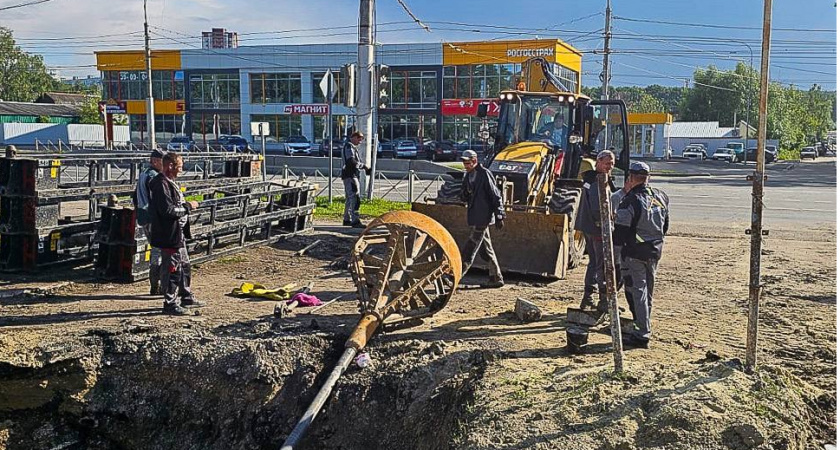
{"points": [[194, 389]]}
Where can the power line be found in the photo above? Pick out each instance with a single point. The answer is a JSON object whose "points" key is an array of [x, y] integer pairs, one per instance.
{"points": [[725, 27], [21, 5]]}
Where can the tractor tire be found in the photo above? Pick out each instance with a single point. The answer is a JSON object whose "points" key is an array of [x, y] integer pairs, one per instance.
{"points": [[566, 200], [450, 191]]}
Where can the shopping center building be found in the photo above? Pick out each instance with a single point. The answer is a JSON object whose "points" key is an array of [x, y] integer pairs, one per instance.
{"points": [[432, 90]]}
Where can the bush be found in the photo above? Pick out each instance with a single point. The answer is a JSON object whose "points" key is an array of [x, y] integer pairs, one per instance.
{"points": [[788, 154]]}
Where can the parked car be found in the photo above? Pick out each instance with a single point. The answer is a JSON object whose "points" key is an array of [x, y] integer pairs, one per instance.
{"points": [[808, 152], [445, 151], [769, 156], [772, 149], [694, 151], [181, 144], [233, 143], [724, 154], [477, 145], [406, 149], [298, 146], [386, 150], [337, 146]]}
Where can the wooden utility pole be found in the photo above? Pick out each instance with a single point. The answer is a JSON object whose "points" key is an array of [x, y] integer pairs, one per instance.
{"points": [[756, 232], [609, 270], [150, 99], [605, 71]]}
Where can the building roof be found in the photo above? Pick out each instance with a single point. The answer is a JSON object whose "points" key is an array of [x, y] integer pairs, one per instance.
{"points": [[37, 109], [62, 98], [700, 130]]}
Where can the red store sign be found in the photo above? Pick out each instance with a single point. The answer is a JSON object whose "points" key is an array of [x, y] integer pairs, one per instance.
{"points": [[318, 109], [468, 107]]}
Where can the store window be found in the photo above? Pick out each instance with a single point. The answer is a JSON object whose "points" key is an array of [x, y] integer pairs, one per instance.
{"points": [[206, 126], [466, 129], [419, 127], [319, 97], [281, 125], [214, 91], [478, 81], [275, 88], [413, 89], [319, 124], [134, 85]]}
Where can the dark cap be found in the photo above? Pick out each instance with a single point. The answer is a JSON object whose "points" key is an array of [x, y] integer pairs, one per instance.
{"points": [[639, 167], [157, 153]]}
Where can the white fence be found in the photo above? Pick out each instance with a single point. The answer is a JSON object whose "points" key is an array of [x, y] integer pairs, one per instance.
{"points": [[27, 134]]}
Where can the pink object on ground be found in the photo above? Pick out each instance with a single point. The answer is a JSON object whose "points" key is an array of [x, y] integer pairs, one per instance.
{"points": [[305, 300]]}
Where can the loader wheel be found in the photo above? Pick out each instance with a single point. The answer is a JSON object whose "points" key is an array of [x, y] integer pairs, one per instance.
{"points": [[450, 191], [565, 200]]}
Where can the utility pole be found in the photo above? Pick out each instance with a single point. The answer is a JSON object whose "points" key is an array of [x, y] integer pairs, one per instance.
{"points": [[150, 100], [364, 107], [755, 231], [605, 71]]}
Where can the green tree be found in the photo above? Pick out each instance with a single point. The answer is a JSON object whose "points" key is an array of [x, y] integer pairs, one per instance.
{"points": [[89, 111], [23, 76]]}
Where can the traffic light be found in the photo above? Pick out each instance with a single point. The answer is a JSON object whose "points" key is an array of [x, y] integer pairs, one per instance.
{"points": [[348, 83], [384, 85]]}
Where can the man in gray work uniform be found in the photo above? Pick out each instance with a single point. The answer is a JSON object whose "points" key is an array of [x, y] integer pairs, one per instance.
{"points": [[484, 208], [641, 224], [350, 176], [588, 222], [143, 217]]}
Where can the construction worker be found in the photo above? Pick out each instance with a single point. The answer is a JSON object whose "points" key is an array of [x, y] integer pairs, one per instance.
{"points": [[556, 131], [350, 176], [484, 208], [170, 228], [141, 204], [641, 224], [588, 222]]}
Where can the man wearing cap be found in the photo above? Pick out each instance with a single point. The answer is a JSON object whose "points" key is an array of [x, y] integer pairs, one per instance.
{"points": [[588, 222], [484, 208], [141, 203], [350, 176], [641, 224]]}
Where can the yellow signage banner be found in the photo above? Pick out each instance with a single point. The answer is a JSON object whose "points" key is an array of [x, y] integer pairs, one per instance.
{"points": [[511, 52], [136, 60]]}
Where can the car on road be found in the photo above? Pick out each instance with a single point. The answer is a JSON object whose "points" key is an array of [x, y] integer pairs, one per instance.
{"points": [[695, 151], [298, 146], [769, 156], [406, 149], [808, 152], [385, 149], [445, 151], [337, 146], [233, 143], [181, 144], [724, 154]]}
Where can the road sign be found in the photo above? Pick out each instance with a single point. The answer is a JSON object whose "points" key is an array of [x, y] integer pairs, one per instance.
{"points": [[259, 129], [325, 85], [112, 106]]}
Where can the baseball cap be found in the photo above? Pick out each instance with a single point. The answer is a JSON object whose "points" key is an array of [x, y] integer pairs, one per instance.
{"points": [[468, 154], [156, 153], [639, 167]]}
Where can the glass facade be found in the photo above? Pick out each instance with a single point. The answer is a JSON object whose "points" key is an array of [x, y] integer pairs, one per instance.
{"points": [[407, 126], [478, 81], [166, 126], [133, 85], [214, 91], [318, 96], [413, 89], [207, 125], [281, 125], [319, 126], [465, 128], [275, 88]]}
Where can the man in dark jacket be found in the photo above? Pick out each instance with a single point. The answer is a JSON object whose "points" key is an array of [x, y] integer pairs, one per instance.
{"points": [[588, 222], [170, 228], [141, 204], [350, 176], [484, 208], [641, 223]]}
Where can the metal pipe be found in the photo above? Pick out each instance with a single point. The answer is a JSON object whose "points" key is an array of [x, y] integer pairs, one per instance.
{"points": [[758, 194]]}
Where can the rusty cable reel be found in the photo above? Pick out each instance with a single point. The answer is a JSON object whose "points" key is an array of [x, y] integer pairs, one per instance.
{"points": [[406, 266]]}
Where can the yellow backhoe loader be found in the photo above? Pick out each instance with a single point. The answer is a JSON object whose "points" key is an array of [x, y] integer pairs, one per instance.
{"points": [[545, 138]]}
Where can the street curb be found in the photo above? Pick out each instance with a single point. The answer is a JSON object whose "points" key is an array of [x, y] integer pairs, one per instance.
{"points": [[680, 174]]}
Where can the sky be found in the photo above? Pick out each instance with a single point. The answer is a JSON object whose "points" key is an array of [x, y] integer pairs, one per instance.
{"points": [[702, 33]]}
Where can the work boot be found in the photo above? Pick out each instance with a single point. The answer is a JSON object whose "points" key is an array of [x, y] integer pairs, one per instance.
{"points": [[493, 284], [358, 224], [192, 303], [633, 341], [174, 309], [587, 303], [603, 305], [154, 289]]}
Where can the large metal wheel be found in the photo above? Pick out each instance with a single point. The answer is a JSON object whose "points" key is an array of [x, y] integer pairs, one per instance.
{"points": [[406, 266]]}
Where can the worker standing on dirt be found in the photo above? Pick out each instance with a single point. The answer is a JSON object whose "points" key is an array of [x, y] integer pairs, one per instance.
{"points": [[484, 208], [641, 224], [170, 228], [141, 204], [350, 176], [588, 222]]}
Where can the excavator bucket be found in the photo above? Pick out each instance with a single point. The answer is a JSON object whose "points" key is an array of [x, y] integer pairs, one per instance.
{"points": [[530, 243]]}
